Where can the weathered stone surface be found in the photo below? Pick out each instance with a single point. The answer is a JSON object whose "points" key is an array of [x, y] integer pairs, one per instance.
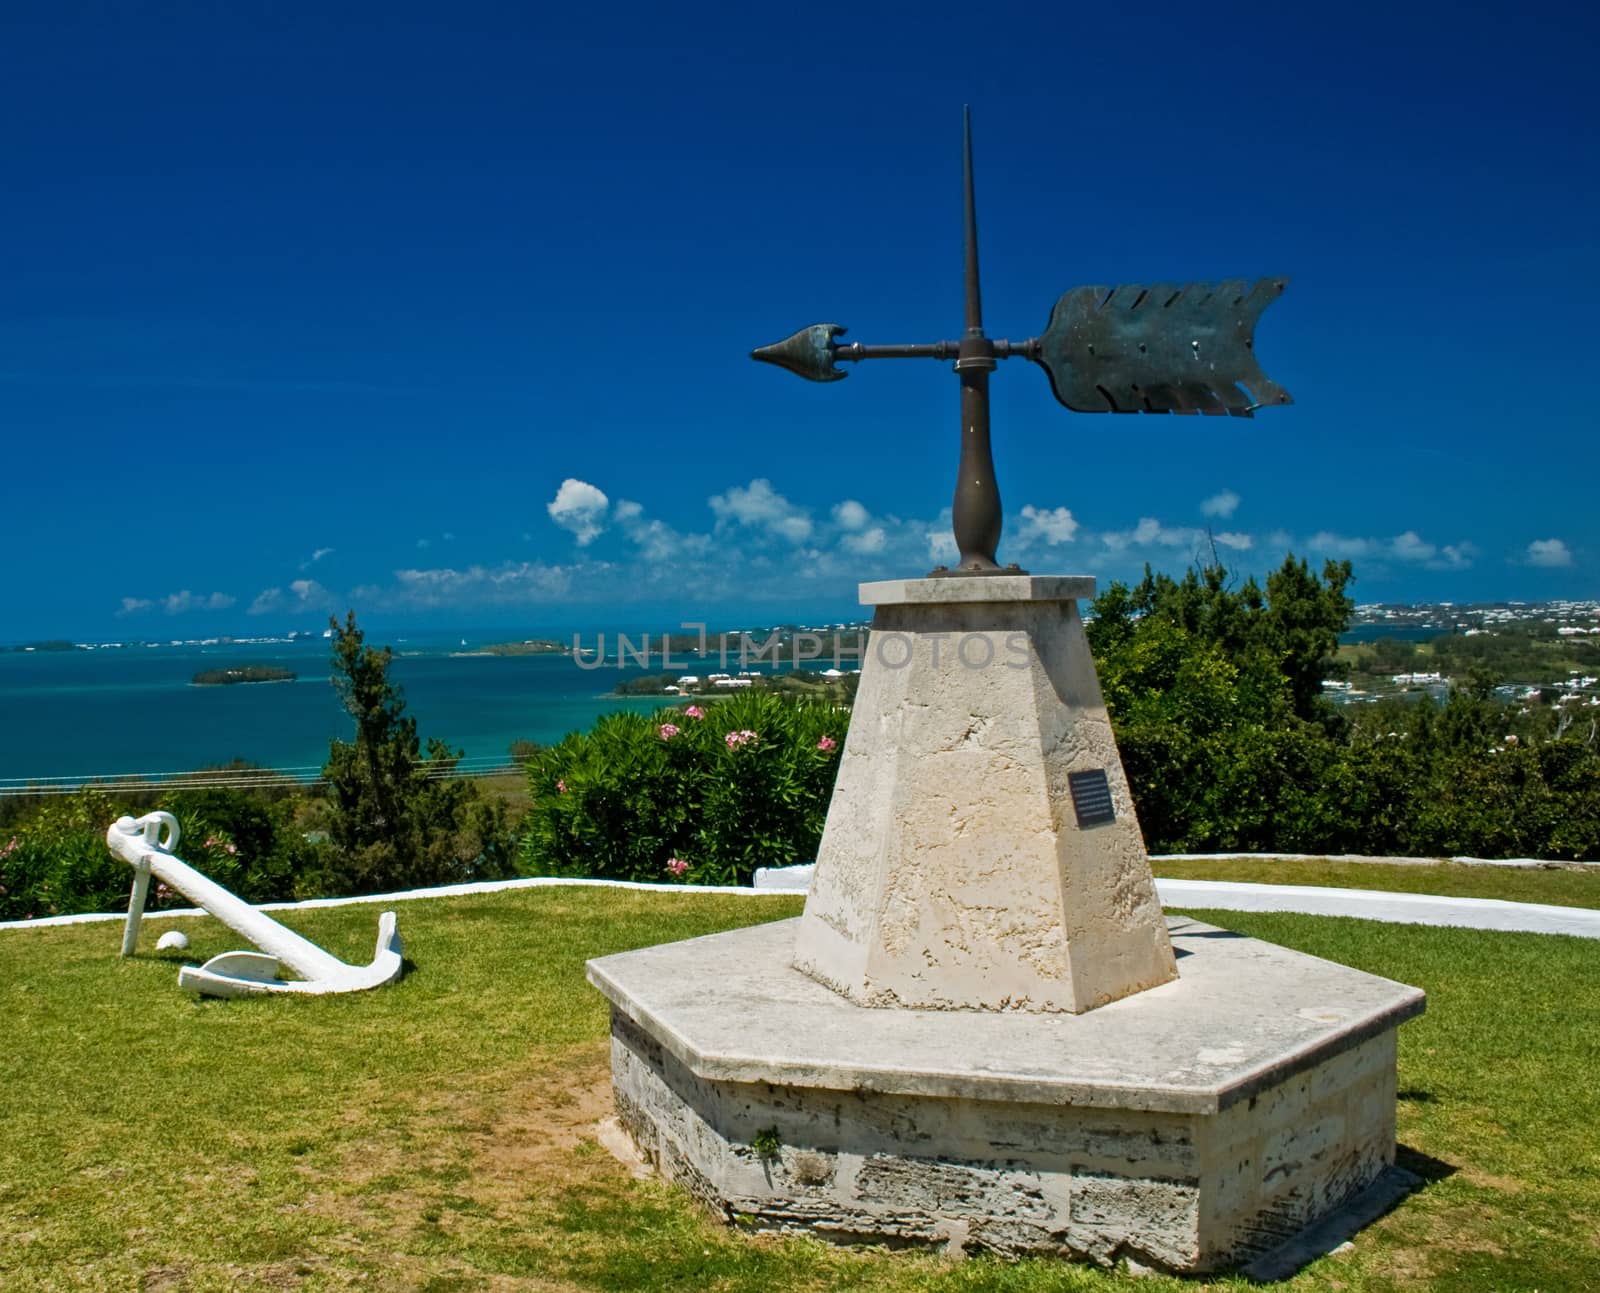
{"points": [[953, 873], [1191, 1127], [1242, 1017]]}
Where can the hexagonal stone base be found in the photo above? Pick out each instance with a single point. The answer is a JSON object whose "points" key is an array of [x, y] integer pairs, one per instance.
{"points": [[1192, 1126]]}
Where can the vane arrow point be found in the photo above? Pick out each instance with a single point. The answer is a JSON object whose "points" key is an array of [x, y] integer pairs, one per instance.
{"points": [[808, 353]]}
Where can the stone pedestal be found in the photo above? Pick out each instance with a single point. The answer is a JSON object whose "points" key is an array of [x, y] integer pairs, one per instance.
{"points": [[961, 867], [982, 1034], [1192, 1127]]}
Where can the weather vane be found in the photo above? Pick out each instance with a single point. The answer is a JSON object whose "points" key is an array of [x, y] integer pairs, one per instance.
{"points": [[1128, 349]]}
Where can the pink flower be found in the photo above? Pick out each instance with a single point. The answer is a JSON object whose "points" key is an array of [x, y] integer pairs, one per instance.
{"points": [[694, 711], [668, 731], [736, 739], [230, 848], [826, 744], [561, 786], [212, 841], [677, 866]]}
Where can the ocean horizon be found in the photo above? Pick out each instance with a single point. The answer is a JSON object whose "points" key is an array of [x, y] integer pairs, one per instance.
{"points": [[134, 710]]}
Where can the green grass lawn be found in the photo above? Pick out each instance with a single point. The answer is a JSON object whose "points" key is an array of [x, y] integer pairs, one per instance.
{"points": [[437, 1134]]}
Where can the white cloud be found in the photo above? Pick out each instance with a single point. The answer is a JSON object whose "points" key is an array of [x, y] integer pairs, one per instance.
{"points": [[1551, 553], [182, 601], [1052, 525], [759, 506], [1333, 545], [133, 605], [656, 540], [266, 601], [511, 583], [850, 515], [308, 593], [1151, 533], [942, 549], [1411, 547], [1222, 505], [315, 557], [866, 542], [579, 508], [1232, 539]]}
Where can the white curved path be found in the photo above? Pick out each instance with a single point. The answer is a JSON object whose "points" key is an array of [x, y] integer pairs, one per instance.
{"points": [[1311, 900]]}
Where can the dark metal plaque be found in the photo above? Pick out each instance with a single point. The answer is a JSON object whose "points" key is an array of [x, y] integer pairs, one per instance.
{"points": [[1161, 349], [1091, 797]]}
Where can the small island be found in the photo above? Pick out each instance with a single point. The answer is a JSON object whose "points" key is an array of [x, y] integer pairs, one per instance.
{"points": [[532, 646], [243, 673]]}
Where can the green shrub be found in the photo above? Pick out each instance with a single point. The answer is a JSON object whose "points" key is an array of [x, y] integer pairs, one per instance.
{"points": [[55, 862], [701, 794]]}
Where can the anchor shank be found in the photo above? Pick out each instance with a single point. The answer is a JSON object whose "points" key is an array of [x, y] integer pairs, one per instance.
{"points": [[300, 954]]}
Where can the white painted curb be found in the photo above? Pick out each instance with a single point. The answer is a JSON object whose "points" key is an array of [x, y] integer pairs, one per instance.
{"points": [[1373, 904], [1308, 900]]}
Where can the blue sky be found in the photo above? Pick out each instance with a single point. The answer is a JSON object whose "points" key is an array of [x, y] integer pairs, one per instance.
{"points": [[443, 312]]}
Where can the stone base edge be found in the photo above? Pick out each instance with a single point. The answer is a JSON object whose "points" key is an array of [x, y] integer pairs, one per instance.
{"points": [[1182, 1192]]}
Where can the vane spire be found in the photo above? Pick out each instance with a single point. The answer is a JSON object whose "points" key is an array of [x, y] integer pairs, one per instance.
{"points": [[974, 296]]}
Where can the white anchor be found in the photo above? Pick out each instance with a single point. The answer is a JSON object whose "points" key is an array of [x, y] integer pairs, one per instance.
{"points": [[146, 844]]}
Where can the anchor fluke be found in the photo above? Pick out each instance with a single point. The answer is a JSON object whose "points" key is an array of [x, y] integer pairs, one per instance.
{"points": [[809, 353]]}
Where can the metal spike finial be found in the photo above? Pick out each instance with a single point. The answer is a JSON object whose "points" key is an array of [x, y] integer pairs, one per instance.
{"points": [[974, 295]]}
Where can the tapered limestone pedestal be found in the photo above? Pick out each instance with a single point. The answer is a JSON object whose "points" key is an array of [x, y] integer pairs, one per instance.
{"points": [[978, 1036], [981, 850]]}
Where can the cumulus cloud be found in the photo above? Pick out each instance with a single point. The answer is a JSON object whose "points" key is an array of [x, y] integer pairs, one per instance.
{"points": [[850, 515], [1052, 525], [579, 508], [1333, 545], [513, 582], [866, 542], [1150, 533], [1551, 553], [133, 605], [1409, 547], [308, 593], [1221, 505], [183, 600], [1233, 539], [759, 506], [302, 595], [942, 549], [656, 540]]}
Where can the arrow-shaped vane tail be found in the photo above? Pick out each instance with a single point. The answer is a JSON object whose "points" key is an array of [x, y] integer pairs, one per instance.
{"points": [[1161, 349]]}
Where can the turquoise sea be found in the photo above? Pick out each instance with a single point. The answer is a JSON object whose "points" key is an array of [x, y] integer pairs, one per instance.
{"points": [[134, 710]]}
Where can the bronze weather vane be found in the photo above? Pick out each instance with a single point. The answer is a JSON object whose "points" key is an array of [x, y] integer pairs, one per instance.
{"points": [[1127, 349]]}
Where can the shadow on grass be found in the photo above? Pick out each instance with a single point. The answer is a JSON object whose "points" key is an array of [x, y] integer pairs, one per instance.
{"points": [[1429, 1168]]}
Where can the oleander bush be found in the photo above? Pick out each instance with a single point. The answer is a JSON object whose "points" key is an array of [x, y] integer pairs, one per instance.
{"points": [[703, 794]]}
